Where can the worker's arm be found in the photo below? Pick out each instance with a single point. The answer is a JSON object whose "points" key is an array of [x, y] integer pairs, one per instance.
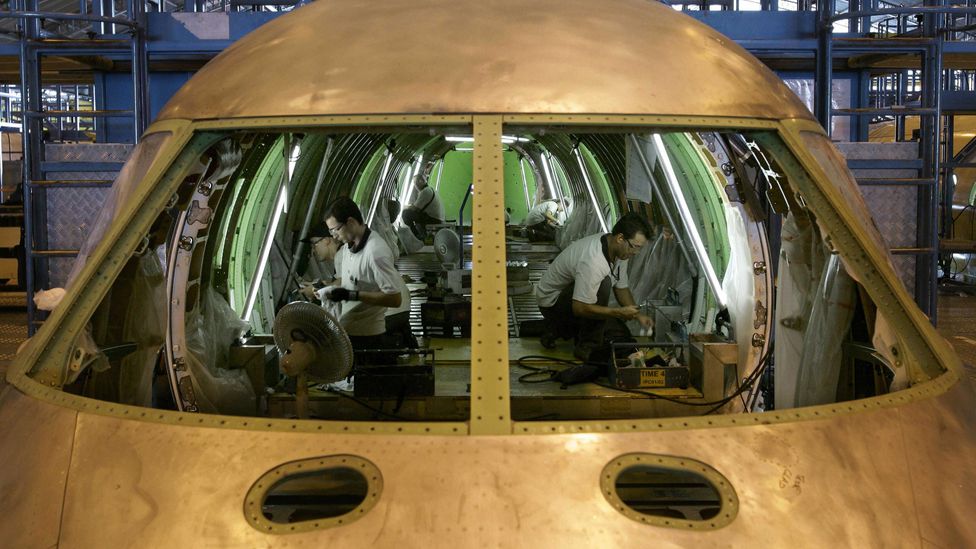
{"points": [[386, 275], [625, 298], [380, 298], [551, 219], [370, 298], [592, 310]]}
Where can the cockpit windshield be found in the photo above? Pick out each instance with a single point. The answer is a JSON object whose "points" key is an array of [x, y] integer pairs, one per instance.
{"points": [[328, 274]]}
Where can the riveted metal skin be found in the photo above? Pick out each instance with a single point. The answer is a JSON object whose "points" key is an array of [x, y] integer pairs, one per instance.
{"points": [[785, 466], [36, 438], [819, 483], [889, 471], [495, 56], [489, 315], [728, 501], [372, 477]]}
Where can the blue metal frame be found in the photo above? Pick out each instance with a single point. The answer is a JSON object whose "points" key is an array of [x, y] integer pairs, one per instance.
{"points": [[790, 34], [32, 47]]}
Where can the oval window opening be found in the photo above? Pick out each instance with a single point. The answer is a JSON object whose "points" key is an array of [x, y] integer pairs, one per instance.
{"points": [[315, 495], [312, 494], [669, 491]]}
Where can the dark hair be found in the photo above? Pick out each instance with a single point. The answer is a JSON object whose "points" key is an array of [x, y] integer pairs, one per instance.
{"points": [[631, 224], [319, 230], [342, 209]]}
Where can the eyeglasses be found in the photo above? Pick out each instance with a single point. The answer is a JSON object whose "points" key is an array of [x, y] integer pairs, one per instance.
{"points": [[632, 245], [335, 230]]}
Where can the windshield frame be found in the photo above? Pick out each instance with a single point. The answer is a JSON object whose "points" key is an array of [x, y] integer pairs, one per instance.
{"points": [[45, 356]]}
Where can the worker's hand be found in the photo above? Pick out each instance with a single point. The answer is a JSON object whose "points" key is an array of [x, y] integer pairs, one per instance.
{"points": [[629, 312], [645, 322], [342, 294], [307, 291]]}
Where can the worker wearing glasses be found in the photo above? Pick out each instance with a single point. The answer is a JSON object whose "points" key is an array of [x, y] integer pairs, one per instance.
{"points": [[369, 283], [324, 250], [574, 293]]}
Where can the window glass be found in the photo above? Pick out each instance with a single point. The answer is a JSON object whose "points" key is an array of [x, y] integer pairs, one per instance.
{"points": [[129, 178], [301, 274], [640, 280]]}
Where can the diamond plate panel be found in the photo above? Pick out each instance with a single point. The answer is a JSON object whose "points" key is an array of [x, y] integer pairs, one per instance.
{"points": [[71, 211], [70, 214], [905, 267], [895, 211], [87, 152], [58, 269]]}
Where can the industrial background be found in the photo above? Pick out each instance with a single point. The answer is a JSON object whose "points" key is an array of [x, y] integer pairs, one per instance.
{"points": [[893, 83]]}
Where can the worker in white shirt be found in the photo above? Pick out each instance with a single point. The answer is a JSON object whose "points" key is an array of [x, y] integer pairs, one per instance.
{"points": [[367, 275], [426, 207], [574, 292], [544, 217], [324, 250], [330, 251]]}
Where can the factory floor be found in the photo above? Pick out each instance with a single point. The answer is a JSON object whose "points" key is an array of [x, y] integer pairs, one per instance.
{"points": [[957, 323]]}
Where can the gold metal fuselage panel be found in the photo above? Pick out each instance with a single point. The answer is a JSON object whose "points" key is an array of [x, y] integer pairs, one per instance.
{"points": [[887, 471], [493, 56], [875, 472]]}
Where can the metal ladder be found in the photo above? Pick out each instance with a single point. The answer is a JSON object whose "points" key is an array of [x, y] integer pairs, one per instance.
{"points": [[103, 38], [927, 41]]}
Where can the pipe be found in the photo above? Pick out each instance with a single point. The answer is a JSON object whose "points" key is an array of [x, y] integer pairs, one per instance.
{"points": [[660, 197], [685, 214], [307, 223]]}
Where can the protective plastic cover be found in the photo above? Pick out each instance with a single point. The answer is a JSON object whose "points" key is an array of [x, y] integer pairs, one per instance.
{"points": [[128, 179], [210, 330]]}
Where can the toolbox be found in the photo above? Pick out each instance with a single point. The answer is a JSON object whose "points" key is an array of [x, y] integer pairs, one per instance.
{"points": [[412, 379], [653, 365], [446, 316]]}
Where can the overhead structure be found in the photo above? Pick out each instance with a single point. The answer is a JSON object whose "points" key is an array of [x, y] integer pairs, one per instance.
{"points": [[761, 253]]}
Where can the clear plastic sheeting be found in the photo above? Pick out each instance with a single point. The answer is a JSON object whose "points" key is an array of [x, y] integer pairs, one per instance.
{"points": [[739, 284], [210, 330], [382, 226], [409, 244], [128, 179], [801, 261], [583, 221], [147, 329], [660, 266], [143, 324], [823, 343]]}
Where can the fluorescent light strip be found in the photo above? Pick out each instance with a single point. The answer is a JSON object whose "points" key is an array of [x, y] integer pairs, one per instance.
{"points": [[440, 172], [417, 166], [685, 214], [548, 174], [379, 188], [407, 189], [525, 185], [293, 159], [406, 186], [265, 251], [470, 139], [589, 190]]}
